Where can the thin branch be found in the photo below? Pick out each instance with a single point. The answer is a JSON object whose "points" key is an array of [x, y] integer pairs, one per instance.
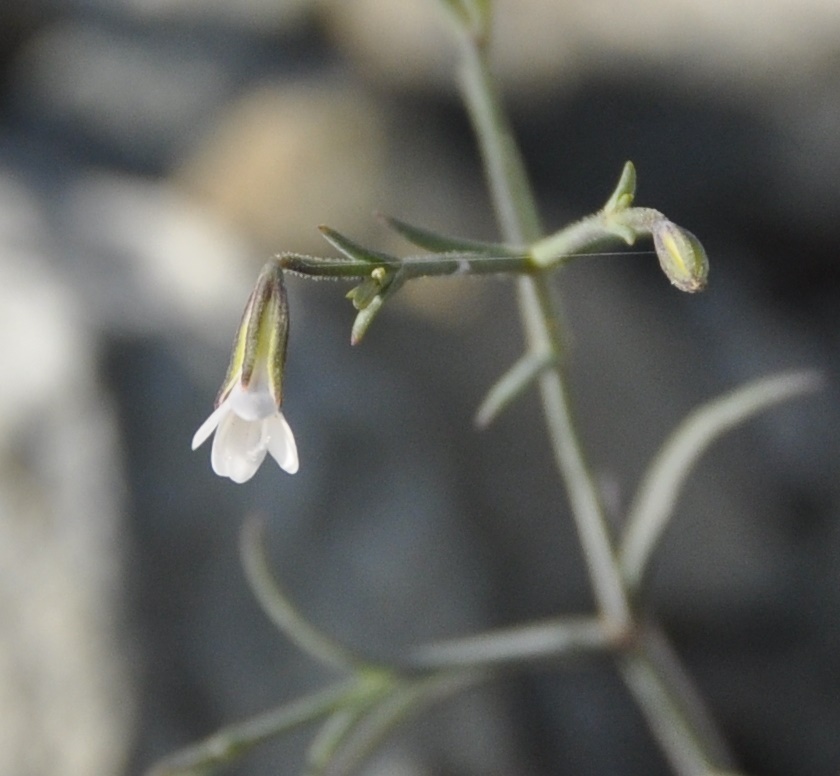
{"points": [[407, 699], [659, 652], [233, 740], [672, 707], [558, 638], [664, 717]]}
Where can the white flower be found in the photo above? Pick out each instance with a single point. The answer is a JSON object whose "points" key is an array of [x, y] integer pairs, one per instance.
{"points": [[247, 419], [247, 426]]}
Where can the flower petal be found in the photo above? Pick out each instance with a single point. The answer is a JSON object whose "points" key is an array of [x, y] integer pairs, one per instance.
{"points": [[254, 402], [239, 448], [209, 425], [281, 443]]}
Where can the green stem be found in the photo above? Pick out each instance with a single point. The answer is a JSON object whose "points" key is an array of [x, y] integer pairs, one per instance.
{"points": [[602, 228], [537, 642], [516, 208], [232, 741], [517, 215], [431, 265], [672, 707], [663, 703], [407, 699]]}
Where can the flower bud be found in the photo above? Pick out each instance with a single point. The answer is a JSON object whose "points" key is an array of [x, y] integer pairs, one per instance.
{"points": [[363, 294], [681, 256]]}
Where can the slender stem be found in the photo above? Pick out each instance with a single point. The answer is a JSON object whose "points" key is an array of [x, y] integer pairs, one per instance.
{"points": [[516, 208], [661, 655], [233, 740], [588, 233], [517, 215], [673, 708], [663, 703], [452, 263], [586, 507], [663, 716], [409, 698], [333, 733], [543, 641]]}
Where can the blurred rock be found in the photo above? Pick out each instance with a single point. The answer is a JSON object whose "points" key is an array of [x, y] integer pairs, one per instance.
{"points": [[260, 16], [67, 696], [284, 159], [133, 96], [148, 261], [540, 46]]}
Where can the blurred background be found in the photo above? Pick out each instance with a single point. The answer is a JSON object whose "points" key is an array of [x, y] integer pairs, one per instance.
{"points": [[154, 153]]}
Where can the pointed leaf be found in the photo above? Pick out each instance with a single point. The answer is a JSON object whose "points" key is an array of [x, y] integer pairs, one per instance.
{"points": [[625, 190], [317, 267], [510, 386], [438, 243], [355, 251], [364, 318], [661, 485], [281, 611], [232, 741]]}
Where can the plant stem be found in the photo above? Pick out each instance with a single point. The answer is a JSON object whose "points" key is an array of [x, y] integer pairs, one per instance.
{"points": [[674, 711], [410, 267], [513, 200], [690, 746], [544, 641], [232, 741], [517, 215]]}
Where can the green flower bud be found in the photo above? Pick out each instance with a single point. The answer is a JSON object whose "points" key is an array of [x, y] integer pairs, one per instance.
{"points": [[681, 256], [363, 294]]}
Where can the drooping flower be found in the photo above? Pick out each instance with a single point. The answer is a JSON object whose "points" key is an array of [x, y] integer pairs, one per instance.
{"points": [[247, 419]]}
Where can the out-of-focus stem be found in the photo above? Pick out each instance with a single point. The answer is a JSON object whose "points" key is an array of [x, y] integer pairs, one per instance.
{"points": [[666, 705], [519, 223], [674, 711]]}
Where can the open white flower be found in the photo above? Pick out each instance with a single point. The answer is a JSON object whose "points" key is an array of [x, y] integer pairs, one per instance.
{"points": [[248, 425], [247, 419]]}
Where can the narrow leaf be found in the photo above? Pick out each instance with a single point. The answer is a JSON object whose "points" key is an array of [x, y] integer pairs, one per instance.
{"points": [[510, 386], [438, 243], [355, 251], [625, 190], [326, 268], [661, 485], [332, 735], [280, 609]]}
